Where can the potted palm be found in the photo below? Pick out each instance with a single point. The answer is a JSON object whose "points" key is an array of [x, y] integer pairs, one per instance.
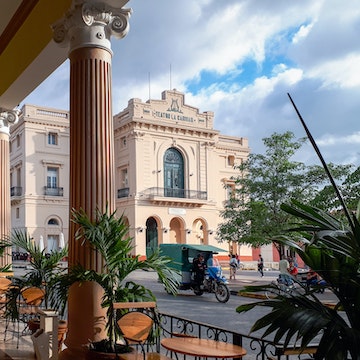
{"points": [[108, 235], [42, 272]]}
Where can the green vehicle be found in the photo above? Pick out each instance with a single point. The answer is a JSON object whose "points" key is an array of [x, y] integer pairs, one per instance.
{"points": [[213, 281]]}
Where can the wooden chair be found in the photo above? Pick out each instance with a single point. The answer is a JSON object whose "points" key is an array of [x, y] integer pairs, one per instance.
{"points": [[5, 284], [136, 326], [28, 302]]}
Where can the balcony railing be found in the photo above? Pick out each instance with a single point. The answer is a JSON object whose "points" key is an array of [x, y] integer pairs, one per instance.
{"points": [[175, 193], [16, 191], [53, 191], [124, 192]]}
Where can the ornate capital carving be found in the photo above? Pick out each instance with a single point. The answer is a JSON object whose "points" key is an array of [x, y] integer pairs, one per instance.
{"points": [[8, 118], [91, 23]]}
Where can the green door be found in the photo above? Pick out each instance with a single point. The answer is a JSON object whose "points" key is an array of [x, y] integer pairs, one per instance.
{"points": [[151, 236]]}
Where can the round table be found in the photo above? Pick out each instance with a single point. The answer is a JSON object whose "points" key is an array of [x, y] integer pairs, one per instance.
{"points": [[203, 347]]}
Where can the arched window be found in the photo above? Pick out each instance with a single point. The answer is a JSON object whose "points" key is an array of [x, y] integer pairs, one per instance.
{"points": [[53, 221], [174, 173]]}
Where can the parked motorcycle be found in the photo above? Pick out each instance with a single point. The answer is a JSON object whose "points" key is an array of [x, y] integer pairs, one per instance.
{"points": [[214, 282], [183, 256]]}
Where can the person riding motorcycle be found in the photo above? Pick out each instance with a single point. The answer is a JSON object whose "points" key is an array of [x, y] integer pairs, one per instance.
{"points": [[199, 268]]}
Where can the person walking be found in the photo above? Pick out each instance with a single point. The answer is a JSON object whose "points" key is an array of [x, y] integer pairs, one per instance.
{"points": [[261, 265], [233, 266]]}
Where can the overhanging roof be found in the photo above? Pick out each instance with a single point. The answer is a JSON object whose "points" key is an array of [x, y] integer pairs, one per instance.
{"points": [[28, 55]]}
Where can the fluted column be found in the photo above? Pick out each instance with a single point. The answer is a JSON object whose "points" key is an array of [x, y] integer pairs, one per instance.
{"points": [[87, 29], [7, 118]]}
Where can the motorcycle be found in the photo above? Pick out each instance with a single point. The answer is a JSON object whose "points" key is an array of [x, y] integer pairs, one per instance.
{"points": [[183, 256], [214, 282]]}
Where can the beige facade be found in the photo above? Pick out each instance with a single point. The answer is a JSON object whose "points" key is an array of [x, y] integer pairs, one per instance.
{"points": [[39, 175], [171, 171]]}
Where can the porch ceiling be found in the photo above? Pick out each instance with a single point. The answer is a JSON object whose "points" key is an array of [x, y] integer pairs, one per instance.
{"points": [[28, 55]]}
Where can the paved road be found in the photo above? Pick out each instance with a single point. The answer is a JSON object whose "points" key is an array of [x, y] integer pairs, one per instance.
{"points": [[206, 308]]}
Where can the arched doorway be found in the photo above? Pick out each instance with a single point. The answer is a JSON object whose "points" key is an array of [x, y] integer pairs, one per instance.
{"points": [[151, 236], [173, 173]]}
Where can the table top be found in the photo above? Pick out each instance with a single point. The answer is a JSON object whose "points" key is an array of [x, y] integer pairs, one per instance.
{"points": [[203, 347]]}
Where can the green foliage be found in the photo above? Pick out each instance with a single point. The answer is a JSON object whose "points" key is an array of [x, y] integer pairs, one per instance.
{"points": [[43, 269], [333, 250], [252, 215], [108, 235]]}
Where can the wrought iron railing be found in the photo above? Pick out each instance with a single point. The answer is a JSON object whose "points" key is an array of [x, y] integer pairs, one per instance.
{"points": [[175, 193], [16, 191], [53, 191], [124, 192], [257, 348]]}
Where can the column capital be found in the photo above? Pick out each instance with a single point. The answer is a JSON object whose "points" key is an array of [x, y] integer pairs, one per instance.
{"points": [[91, 23], [8, 118]]}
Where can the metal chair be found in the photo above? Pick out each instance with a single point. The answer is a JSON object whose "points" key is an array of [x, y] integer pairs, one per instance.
{"points": [[137, 325], [28, 301]]}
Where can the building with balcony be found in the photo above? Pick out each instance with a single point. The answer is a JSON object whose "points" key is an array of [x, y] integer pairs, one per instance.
{"points": [[39, 174], [173, 173]]}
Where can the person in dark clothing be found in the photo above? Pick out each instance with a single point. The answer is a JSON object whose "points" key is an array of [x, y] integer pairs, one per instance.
{"points": [[199, 268], [261, 265]]}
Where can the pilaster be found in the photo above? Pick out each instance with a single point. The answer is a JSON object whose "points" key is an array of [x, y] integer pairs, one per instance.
{"points": [[7, 118]]}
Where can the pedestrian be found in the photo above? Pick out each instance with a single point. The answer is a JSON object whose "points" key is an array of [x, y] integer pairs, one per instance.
{"points": [[233, 266], [261, 265], [237, 257]]}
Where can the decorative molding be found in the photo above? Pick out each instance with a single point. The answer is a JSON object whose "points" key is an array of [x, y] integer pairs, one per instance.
{"points": [[91, 23], [8, 118]]}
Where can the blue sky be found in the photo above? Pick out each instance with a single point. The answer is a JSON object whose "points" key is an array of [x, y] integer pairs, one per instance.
{"points": [[240, 58]]}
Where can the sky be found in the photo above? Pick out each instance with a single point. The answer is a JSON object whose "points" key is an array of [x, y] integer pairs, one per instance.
{"points": [[240, 59]]}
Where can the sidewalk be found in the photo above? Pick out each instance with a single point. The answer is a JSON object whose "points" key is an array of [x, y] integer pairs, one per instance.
{"points": [[243, 279]]}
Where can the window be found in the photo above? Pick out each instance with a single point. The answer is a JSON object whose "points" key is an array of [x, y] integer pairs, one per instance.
{"points": [[10, 146], [231, 160], [123, 142], [52, 138], [18, 142], [17, 211], [124, 178], [230, 191], [52, 177], [53, 221], [174, 173]]}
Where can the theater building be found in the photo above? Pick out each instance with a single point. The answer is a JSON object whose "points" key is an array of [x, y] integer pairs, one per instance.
{"points": [[173, 173]]}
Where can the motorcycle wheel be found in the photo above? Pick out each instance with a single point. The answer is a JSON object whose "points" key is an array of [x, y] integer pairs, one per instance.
{"points": [[222, 293], [198, 292]]}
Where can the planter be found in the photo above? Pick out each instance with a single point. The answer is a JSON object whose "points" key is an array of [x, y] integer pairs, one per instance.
{"points": [[92, 354], [34, 325]]}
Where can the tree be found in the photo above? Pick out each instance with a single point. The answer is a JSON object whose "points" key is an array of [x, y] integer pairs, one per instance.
{"points": [[252, 215]]}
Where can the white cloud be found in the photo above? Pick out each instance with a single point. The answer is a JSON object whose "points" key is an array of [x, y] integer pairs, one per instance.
{"points": [[343, 73], [307, 48]]}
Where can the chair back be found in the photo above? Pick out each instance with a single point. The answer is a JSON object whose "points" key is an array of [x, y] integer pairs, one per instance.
{"points": [[33, 296], [135, 327], [4, 285]]}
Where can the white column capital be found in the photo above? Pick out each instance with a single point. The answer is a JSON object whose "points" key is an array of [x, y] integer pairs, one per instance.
{"points": [[8, 118], [91, 23]]}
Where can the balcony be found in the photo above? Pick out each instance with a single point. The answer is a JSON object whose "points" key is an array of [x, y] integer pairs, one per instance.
{"points": [[16, 191], [53, 191], [124, 192], [175, 196]]}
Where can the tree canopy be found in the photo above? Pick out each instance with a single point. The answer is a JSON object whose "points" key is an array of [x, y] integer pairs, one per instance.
{"points": [[252, 215]]}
